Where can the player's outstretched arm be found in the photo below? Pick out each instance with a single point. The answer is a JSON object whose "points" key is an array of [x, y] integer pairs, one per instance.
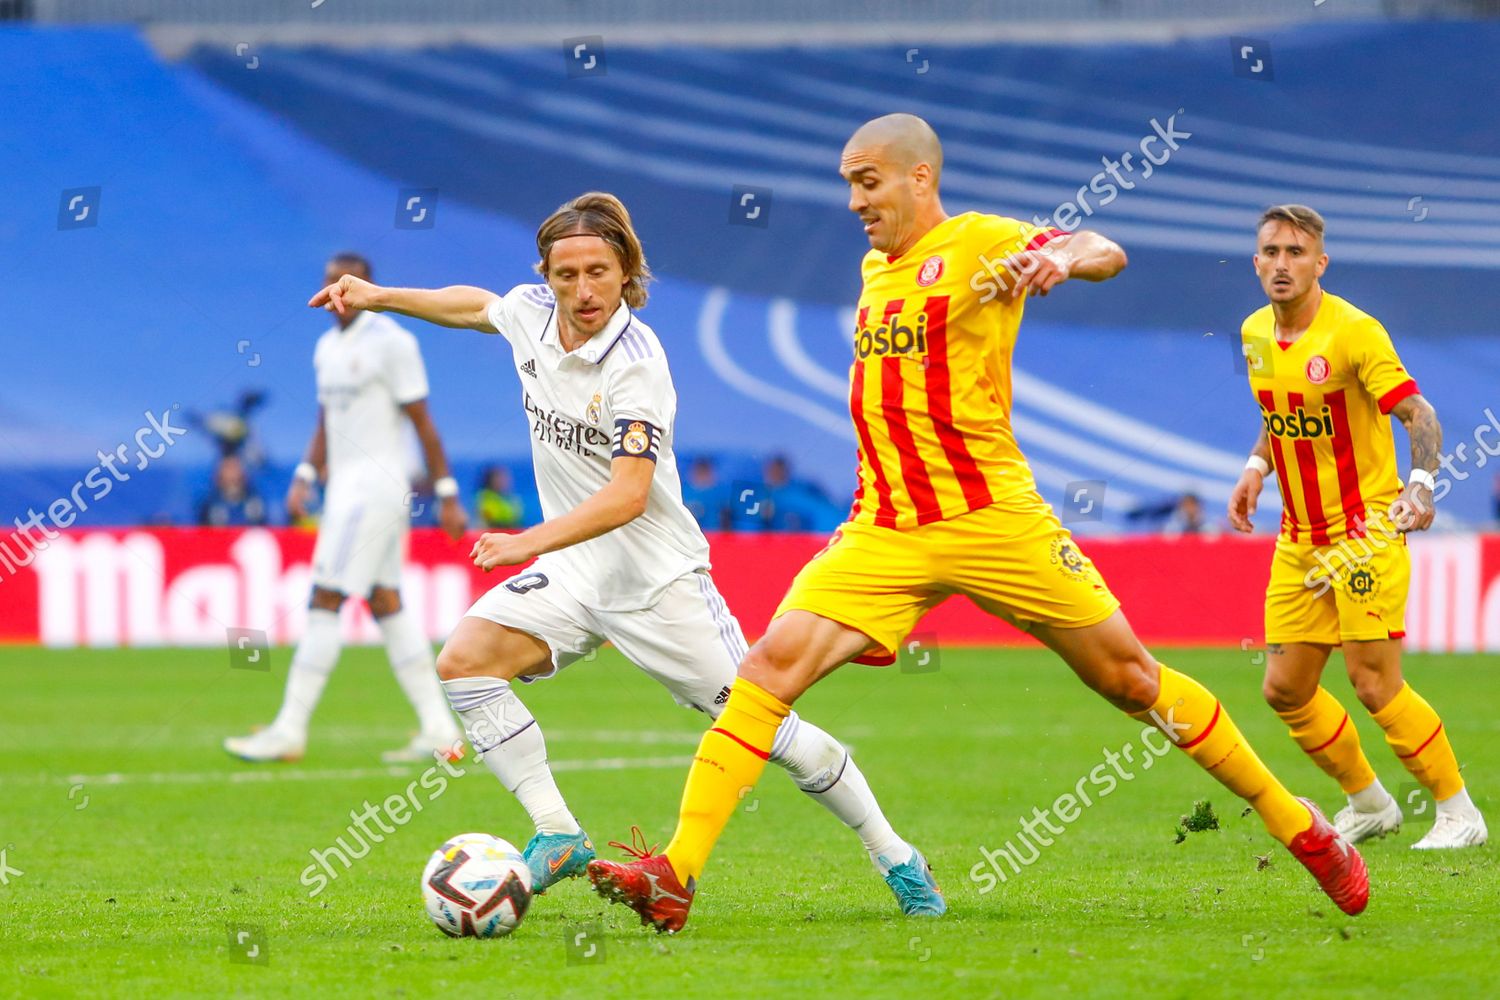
{"points": [[1415, 507], [462, 307], [1084, 254], [1246, 494], [622, 500]]}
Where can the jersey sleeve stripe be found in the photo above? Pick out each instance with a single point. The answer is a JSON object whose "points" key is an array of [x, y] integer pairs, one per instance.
{"points": [[1307, 472], [1389, 400], [971, 480], [1044, 237], [1348, 466], [1283, 479], [913, 469]]}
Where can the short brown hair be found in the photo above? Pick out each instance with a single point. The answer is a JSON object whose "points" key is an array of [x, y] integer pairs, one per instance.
{"points": [[603, 215], [1297, 216], [351, 261]]}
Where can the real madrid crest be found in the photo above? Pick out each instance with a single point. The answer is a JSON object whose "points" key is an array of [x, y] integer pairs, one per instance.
{"points": [[593, 411], [635, 440]]}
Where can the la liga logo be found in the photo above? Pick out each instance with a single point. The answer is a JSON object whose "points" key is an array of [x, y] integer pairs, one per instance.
{"points": [[1318, 369], [932, 270]]}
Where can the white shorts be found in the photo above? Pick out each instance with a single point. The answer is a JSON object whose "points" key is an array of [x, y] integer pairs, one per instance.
{"points": [[688, 641], [361, 545]]}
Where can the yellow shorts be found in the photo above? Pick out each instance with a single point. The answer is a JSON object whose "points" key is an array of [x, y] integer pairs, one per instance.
{"points": [[1013, 559], [1330, 594]]}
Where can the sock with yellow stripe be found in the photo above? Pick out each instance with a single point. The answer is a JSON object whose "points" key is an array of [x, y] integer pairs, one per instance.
{"points": [[730, 759], [1324, 732], [1192, 718], [1416, 734]]}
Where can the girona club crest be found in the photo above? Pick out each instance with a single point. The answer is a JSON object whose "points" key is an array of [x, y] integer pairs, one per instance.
{"points": [[1318, 369], [932, 270]]}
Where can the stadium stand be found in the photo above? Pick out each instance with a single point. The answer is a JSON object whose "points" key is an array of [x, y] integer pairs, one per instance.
{"points": [[248, 165]]}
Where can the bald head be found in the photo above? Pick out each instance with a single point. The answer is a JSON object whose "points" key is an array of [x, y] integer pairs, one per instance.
{"points": [[892, 164], [901, 140]]}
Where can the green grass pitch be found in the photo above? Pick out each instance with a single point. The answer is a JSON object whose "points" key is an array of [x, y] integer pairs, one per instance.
{"points": [[134, 847]]}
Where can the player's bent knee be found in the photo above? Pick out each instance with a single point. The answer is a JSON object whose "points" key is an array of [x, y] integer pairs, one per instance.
{"points": [[763, 659], [1374, 690], [775, 668], [326, 600], [1140, 690], [507, 661], [1282, 697], [454, 662], [384, 602], [1131, 685]]}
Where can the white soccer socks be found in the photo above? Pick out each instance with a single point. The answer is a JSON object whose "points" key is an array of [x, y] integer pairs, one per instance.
{"points": [[823, 769], [413, 663], [312, 664], [506, 737]]}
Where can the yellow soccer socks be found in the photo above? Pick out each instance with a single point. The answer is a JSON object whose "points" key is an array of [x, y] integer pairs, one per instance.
{"points": [[1192, 718], [1323, 730], [730, 758], [1416, 734]]}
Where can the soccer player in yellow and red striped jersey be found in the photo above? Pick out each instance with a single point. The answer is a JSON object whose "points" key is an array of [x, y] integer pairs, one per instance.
{"points": [[946, 505], [1327, 380], [932, 371]]}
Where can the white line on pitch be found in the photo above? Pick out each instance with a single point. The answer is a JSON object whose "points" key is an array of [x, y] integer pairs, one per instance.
{"points": [[283, 772]]}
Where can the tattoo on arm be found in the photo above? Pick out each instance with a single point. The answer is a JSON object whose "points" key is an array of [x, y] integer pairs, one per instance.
{"points": [[1422, 427]]}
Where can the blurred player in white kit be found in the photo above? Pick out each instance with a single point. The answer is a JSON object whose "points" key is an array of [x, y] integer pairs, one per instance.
{"points": [[371, 383]]}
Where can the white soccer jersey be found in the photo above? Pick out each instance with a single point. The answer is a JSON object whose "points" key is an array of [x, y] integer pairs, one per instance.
{"points": [[366, 373], [612, 396]]}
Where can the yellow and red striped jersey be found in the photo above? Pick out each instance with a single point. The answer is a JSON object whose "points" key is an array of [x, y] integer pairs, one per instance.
{"points": [[1324, 400], [930, 386]]}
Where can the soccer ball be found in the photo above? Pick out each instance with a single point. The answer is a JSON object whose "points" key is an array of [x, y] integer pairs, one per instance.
{"points": [[476, 885]]}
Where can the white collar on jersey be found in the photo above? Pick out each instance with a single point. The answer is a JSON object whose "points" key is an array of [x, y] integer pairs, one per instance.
{"points": [[593, 350]]}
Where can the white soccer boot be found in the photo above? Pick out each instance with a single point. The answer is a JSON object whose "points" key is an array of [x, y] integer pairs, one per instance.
{"points": [[1461, 828], [266, 746], [1357, 826], [424, 748]]}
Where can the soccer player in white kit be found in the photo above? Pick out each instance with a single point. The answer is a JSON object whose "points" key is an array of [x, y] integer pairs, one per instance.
{"points": [[619, 558], [371, 383]]}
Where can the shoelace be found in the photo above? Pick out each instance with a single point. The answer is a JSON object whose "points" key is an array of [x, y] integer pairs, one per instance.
{"points": [[910, 877], [637, 847]]}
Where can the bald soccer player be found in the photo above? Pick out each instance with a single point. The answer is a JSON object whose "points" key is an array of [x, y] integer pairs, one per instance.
{"points": [[946, 504]]}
